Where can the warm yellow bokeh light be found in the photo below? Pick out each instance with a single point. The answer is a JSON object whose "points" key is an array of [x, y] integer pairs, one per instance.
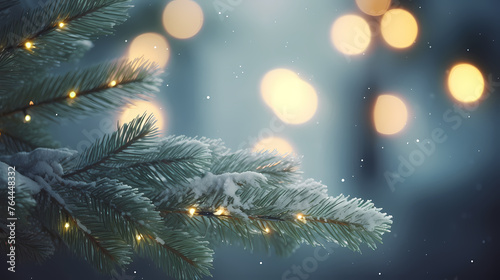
{"points": [[72, 95], [66, 225], [399, 28], [28, 45], [350, 34], [138, 237], [277, 144], [465, 82], [112, 84], [275, 81], [151, 46], [390, 114], [292, 99], [131, 111], [27, 118], [182, 18], [373, 7], [61, 24]]}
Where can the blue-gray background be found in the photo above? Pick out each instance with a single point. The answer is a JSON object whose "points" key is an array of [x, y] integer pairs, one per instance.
{"points": [[446, 223]]}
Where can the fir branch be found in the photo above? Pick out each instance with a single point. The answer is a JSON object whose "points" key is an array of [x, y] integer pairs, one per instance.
{"points": [[224, 229], [278, 169], [303, 211], [126, 144], [119, 207], [177, 159], [50, 43], [83, 233], [125, 211], [94, 91], [32, 245], [180, 255], [6, 4], [17, 136], [216, 146]]}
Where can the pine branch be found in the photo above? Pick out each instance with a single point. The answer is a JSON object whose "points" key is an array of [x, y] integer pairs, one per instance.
{"points": [[178, 254], [113, 150], [177, 159], [123, 210], [303, 211], [224, 229], [17, 136], [83, 233], [102, 87], [217, 148], [51, 43], [6, 4], [31, 244], [278, 169], [119, 207]]}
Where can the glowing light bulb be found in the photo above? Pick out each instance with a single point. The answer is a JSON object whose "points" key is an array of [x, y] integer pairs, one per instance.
{"points": [[267, 230], [66, 225], [61, 24], [27, 118], [219, 211], [138, 237], [192, 211], [300, 217], [112, 84], [31, 103], [28, 45], [72, 94]]}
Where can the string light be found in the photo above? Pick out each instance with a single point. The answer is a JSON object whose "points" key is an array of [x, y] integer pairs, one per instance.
{"points": [[31, 103], [112, 84], [28, 45], [66, 225], [192, 211], [301, 218], [61, 24], [267, 230], [27, 118], [219, 211], [138, 237], [72, 94]]}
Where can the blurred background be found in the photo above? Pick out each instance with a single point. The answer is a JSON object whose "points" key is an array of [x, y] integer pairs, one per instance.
{"points": [[393, 101]]}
